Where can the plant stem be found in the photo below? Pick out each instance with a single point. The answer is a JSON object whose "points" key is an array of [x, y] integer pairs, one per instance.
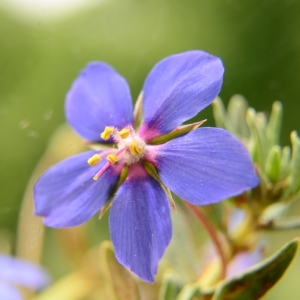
{"points": [[212, 233]]}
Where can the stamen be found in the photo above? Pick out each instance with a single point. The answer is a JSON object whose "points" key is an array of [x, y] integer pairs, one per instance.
{"points": [[124, 133], [112, 158], [108, 164], [105, 135], [101, 171], [135, 149], [94, 160]]}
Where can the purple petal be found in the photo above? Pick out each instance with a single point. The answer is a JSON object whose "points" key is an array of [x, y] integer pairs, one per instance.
{"points": [[8, 292], [177, 89], [66, 195], [243, 261], [140, 224], [99, 97], [206, 165], [23, 273]]}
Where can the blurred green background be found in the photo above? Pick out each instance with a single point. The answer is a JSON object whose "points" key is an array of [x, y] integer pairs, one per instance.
{"points": [[40, 56]]}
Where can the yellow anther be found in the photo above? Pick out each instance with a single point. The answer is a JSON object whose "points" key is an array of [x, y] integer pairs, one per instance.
{"points": [[135, 149], [105, 135], [112, 158], [124, 133], [94, 160]]}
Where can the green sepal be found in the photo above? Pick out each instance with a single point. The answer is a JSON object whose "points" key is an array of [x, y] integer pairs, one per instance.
{"points": [[273, 163], [138, 111], [175, 133], [257, 280], [107, 205], [170, 286], [190, 292], [117, 281], [151, 170]]}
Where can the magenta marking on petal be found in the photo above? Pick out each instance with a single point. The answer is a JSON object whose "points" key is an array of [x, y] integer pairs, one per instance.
{"points": [[147, 133], [151, 154], [136, 171]]}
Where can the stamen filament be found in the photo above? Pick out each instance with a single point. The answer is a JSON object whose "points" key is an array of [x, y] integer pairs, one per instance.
{"points": [[117, 154], [101, 171]]}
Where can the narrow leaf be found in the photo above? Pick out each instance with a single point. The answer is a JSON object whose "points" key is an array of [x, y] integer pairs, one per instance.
{"points": [[190, 292], [257, 280], [274, 124], [219, 113], [237, 108], [170, 287], [118, 282], [295, 163]]}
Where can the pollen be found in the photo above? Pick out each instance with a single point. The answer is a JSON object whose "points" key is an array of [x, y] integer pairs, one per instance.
{"points": [[94, 160], [135, 149], [112, 158], [124, 133], [107, 132], [96, 177]]}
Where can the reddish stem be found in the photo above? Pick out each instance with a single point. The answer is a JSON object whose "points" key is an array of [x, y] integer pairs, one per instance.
{"points": [[212, 233]]}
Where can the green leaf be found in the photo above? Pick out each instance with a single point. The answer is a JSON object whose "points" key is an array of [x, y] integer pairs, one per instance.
{"points": [[285, 162], [170, 287], [118, 282], [273, 212], [190, 292], [257, 280], [283, 224], [273, 166], [274, 124], [295, 163], [237, 108], [219, 112]]}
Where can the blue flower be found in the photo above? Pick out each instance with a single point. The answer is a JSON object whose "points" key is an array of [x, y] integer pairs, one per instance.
{"points": [[203, 165], [15, 271]]}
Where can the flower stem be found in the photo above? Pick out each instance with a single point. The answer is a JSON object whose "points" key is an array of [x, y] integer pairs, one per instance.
{"points": [[212, 233]]}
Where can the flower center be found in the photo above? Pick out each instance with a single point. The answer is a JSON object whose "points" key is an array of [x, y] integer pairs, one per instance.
{"points": [[130, 148]]}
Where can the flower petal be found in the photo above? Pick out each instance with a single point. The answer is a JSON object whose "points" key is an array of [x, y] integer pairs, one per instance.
{"points": [[8, 292], [140, 223], [66, 195], [243, 261], [177, 89], [21, 272], [99, 97], [206, 165]]}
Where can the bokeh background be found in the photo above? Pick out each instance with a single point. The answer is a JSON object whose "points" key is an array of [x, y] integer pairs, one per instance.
{"points": [[45, 43]]}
